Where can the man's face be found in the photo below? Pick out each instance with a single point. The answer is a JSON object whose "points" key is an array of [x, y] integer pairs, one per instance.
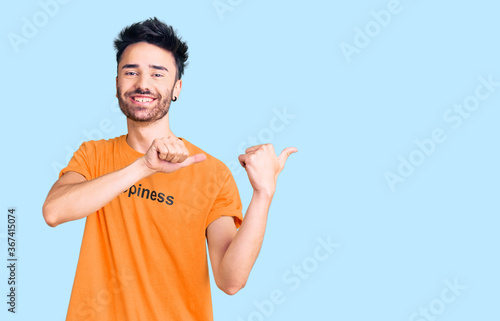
{"points": [[146, 82]]}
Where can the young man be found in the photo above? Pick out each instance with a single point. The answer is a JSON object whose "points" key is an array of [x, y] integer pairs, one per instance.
{"points": [[152, 200]]}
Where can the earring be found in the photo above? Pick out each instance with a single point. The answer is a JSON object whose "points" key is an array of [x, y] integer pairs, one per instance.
{"points": [[175, 98]]}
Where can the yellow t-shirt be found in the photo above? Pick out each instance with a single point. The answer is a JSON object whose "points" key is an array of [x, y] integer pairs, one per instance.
{"points": [[143, 255]]}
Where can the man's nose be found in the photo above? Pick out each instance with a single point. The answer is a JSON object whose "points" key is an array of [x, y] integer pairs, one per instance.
{"points": [[143, 82]]}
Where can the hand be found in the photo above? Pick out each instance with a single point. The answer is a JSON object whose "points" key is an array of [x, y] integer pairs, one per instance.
{"points": [[168, 154], [263, 167]]}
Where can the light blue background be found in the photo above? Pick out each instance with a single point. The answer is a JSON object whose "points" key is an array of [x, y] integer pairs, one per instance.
{"points": [[352, 122]]}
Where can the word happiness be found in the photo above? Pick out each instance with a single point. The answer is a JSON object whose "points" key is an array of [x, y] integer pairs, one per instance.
{"points": [[152, 195]]}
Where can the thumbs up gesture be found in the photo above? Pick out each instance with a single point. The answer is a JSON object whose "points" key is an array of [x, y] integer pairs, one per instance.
{"points": [[263, 166]]}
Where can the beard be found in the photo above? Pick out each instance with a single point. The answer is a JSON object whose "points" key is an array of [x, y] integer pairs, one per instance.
{"points": [[141, 113]]}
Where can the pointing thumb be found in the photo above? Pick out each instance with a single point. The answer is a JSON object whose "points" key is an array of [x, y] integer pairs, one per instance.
{"points": [[284, 155]]}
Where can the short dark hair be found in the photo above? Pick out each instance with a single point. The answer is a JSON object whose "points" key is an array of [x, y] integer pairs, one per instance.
{"points": [[155, 32]]}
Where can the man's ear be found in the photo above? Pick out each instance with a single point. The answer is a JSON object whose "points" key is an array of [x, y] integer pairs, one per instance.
{"points": [[116, 95], [177, 88]]}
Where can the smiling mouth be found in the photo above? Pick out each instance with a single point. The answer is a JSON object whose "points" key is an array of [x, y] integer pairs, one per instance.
{"points": [[142, 99]]}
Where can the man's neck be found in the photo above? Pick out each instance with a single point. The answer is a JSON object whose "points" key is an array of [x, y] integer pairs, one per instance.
{"points": [[141, 135]]}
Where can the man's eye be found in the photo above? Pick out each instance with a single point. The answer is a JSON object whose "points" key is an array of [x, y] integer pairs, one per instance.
{"points": [[158, 75], [130, 73]]}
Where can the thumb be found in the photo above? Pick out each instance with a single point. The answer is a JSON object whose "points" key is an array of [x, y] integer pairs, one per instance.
{"points": [[284, 156], [193, 159]]}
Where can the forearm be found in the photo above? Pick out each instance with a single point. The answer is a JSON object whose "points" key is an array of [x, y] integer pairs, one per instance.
{"points": [[75, 201], [241, 254]]}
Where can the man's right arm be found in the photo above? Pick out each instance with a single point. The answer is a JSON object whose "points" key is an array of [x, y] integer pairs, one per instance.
{"points": [[73, 197]]}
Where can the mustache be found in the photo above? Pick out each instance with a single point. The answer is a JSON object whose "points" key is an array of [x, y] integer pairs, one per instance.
{"points": [[139, 91]]}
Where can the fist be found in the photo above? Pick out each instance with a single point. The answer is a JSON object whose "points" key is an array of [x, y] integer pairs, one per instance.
{"points": [[168, 154], [263, 166]]}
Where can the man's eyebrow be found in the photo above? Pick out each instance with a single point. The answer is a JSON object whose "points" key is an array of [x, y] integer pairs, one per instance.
{"points": [[158, 67], [130, 66], [150, 66]]}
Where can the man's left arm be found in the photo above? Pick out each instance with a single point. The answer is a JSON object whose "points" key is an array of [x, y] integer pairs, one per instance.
{"points": [[233, 253]]}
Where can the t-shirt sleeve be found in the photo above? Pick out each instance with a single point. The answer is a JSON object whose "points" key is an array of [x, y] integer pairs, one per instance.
{"points": [[80, 162], [227, 203]]}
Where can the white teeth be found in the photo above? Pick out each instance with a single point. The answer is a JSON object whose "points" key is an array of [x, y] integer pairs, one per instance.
{"points": [[142, 99]]}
